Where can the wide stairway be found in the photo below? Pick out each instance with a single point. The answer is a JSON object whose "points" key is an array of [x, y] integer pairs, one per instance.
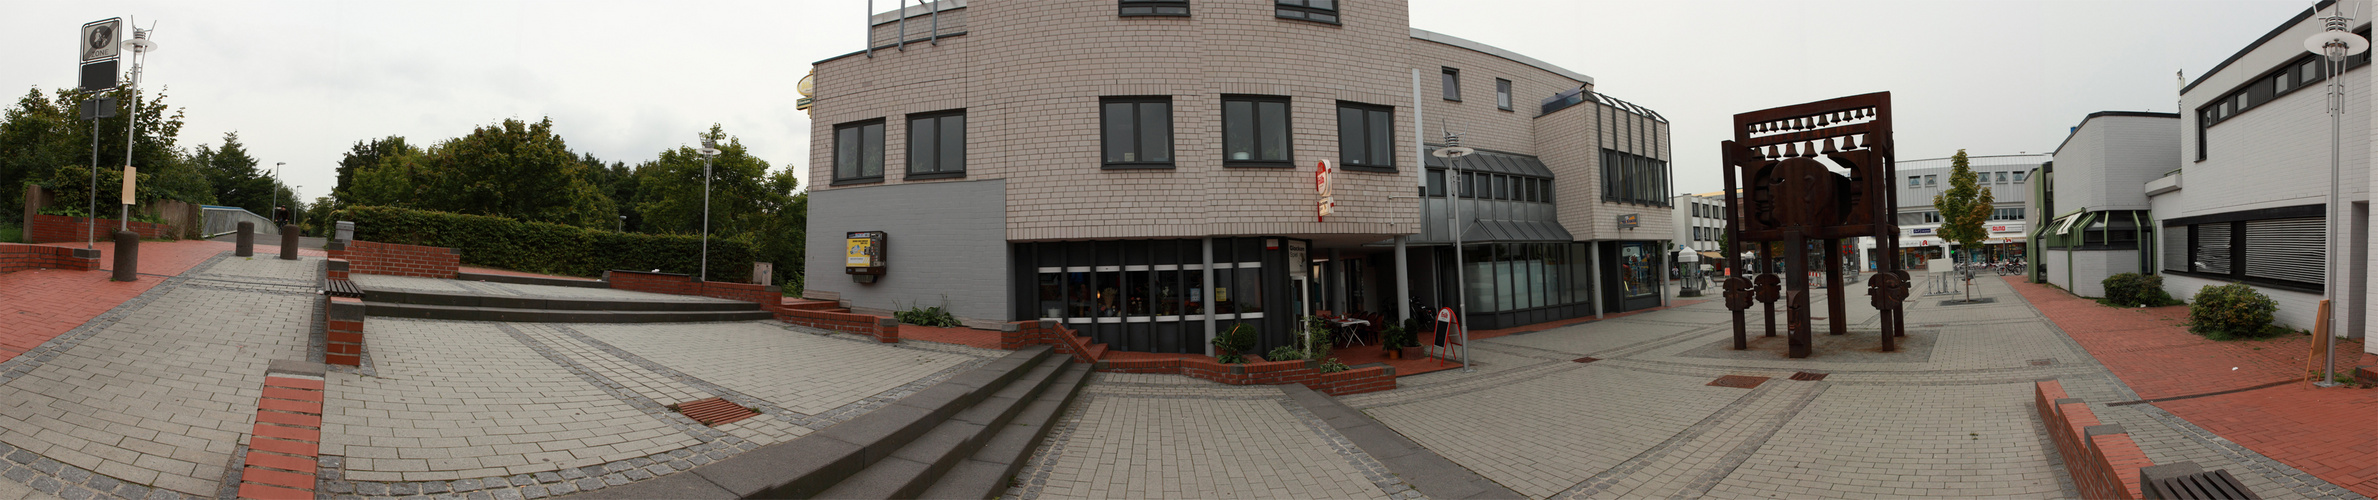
{"points": [[963, 438], [465, 306]]}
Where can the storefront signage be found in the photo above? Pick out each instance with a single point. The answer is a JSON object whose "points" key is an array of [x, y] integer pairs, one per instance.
{"points": [[1630, 221], [863, 252], [1920, 231], [1323, 183], [807, 84], [1299, 262]]}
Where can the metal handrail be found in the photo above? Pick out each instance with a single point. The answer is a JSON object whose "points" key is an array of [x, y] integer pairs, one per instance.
{"points": [[225, 220]]}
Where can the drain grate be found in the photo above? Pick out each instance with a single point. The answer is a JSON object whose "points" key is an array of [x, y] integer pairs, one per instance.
{"points": [[1587, 359], [713, 412], [1809, 376], [1738, 381], [2043, 362]]}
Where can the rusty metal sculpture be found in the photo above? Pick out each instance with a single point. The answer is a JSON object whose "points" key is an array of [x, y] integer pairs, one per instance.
{"points": [[1786, 195]]}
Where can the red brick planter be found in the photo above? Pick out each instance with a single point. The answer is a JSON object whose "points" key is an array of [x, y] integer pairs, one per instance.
{"points": [[15, 257], [60, 229], [883, 329], [2103, 460], [398, 260]]}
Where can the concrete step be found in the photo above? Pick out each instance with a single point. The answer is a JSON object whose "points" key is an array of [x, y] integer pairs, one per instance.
{"points": [[814, 463], [506, 302], [479, 313], [532, 280], [792, 303], [913, 467], [990, 470]]}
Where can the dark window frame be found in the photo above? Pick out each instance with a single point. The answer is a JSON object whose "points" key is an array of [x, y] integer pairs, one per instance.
{"points": [[1371, 114], [2294, 75], [1635, 179], [1312, 11], [940, 129], [1449, 83], [1502, 94], [1287, 134], [860, 175], [1152, 8], [1171, 135]]}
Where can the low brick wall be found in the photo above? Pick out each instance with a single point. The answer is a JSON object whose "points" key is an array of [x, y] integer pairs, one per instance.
{"points": [[2103, 460], [343, 328], [1308, 373], [398, 260], [285, 440], [336, 269], [60, 229], [15, 257], [770, 298]]}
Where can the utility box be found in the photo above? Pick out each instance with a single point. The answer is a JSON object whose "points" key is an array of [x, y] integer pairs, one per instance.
{"points": [[346, 232], [864, 255]]}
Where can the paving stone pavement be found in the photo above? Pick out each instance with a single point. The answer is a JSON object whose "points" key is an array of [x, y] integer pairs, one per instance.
{"points": [[434, 285]]}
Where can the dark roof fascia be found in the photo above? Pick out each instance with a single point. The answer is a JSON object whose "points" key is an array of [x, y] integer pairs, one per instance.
{"points": [[2266, 38], [2076, 129]]}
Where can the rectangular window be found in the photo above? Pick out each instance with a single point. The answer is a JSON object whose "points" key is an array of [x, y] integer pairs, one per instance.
{"points": [[1366, 136], [1469, 185], [1319, 11], [1176, 8], [1137, 131], [2002, 177], [2020, 175], [1630, 178], [1436, 183], [1931, 180], [1502, 184], [937, 145], [1503, 94], [1452, 84], [1255, 131], [1914, 182], [858, 151]]}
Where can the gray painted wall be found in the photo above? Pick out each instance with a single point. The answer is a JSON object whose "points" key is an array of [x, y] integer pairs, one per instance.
{"points": [[946, 239], [2106, 164]]}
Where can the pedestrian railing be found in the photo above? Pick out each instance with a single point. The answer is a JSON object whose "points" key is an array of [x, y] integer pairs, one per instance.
{"points": [[225, 220]]}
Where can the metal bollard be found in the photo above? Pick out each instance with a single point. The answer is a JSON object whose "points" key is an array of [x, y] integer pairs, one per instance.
{"points": [[247, 239], [288, 242], [127, 256]]}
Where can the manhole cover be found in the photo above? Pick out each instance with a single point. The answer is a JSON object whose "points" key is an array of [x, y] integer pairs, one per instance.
{"points": [[713, 412], [1738, 381], [1587, 359], [2042, 362], [1809, 376]]}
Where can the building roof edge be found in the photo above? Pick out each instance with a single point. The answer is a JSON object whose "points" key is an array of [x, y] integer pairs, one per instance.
{"points": [[1421, 34], [2076, 128]]}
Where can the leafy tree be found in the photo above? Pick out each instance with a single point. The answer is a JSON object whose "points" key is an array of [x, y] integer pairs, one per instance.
{"points": [[513, 169], [43, 132], [390, 180], [365, 154], [237, 180], [746, 201], [1964, 207]]}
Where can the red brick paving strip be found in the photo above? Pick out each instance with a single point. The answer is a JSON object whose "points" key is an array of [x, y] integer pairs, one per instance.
{"points": [[38, 305], [287, 437], [2323, 432]]}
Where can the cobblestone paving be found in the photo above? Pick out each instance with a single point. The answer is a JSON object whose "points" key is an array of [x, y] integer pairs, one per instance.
{"points": [[804, 373], [1163, 436], [433, 285]]}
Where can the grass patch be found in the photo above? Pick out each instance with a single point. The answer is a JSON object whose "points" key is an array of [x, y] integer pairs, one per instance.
{"points": [[11, 234]]}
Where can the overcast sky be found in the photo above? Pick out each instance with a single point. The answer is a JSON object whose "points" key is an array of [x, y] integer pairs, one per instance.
{"points": [[303, 81]]}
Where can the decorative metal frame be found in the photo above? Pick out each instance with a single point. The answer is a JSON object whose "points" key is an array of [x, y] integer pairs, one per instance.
{"points": [[1787, 195]]}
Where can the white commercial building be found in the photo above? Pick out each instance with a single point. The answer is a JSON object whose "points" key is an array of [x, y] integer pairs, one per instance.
{"points": [[2006, 176], [2097, 218]]}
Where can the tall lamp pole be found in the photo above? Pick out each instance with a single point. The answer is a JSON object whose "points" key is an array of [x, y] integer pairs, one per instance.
{"points": [[1452, 152], [140, 47], [279, 210], [2334, 45], [709, 149]]}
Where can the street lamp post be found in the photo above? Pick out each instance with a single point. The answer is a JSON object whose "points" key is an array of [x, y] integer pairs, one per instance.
{"points": [[1451, 153], [279, 210], [709, 149], [2334, 45], [140, 47]]}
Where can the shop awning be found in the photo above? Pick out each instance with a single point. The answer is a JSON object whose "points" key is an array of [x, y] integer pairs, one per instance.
{"points": [[1496, 163], [1515, 231]]}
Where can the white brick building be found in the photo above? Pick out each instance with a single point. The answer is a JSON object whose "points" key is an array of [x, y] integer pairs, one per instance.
{"points": [[1145, 171]]}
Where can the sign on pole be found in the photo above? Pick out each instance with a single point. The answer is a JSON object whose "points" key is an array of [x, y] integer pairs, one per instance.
{"points": [[97, 49], [129, 174]]}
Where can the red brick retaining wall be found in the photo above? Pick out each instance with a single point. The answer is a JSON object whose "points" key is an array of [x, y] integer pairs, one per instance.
{"points": [[286, 440], [2104, 463], [15, 257], [884, 329], [343, 328], [399, 260], [60, 229], [1355, 381]]}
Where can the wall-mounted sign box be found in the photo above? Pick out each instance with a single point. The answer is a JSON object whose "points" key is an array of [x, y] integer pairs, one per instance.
{"points": [[863, 253], [1630, 221]]}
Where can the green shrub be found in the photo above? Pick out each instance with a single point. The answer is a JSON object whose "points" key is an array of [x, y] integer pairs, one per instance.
{"points": [[1333, 366], [549, 248], [1235, 342], [2134, 289], [1284, 353], [926, 316], [2232, 311], [1230, 359]]}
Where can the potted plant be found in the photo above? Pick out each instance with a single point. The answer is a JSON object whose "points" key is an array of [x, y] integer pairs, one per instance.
{"points": [[1394, 339]]}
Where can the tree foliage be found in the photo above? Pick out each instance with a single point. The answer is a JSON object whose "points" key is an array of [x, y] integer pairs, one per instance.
{"points": [[509, 169], [746, 201], [237, 178], [44, 132], [1964, 207], [364, 154]]}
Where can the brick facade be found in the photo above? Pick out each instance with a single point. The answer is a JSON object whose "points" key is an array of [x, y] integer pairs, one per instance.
{"points": [[61, 229], [399, 260], [15, 257], [343, 328]]}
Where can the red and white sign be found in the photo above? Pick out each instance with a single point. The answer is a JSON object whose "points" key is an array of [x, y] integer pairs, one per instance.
{"points": [[1445, 314], [1324, 183]]}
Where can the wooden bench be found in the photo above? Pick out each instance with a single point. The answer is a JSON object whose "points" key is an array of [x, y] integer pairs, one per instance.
{"points": [[342, 288]]}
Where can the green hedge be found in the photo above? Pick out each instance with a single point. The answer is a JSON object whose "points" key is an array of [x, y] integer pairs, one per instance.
{"points": [[2136, 290], [2231, 311], [549, 248]]}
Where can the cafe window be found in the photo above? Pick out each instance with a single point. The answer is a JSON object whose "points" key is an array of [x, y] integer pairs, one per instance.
{"points": [[937, 145], [1137, 131], [858, 152], [1255, 130]]}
